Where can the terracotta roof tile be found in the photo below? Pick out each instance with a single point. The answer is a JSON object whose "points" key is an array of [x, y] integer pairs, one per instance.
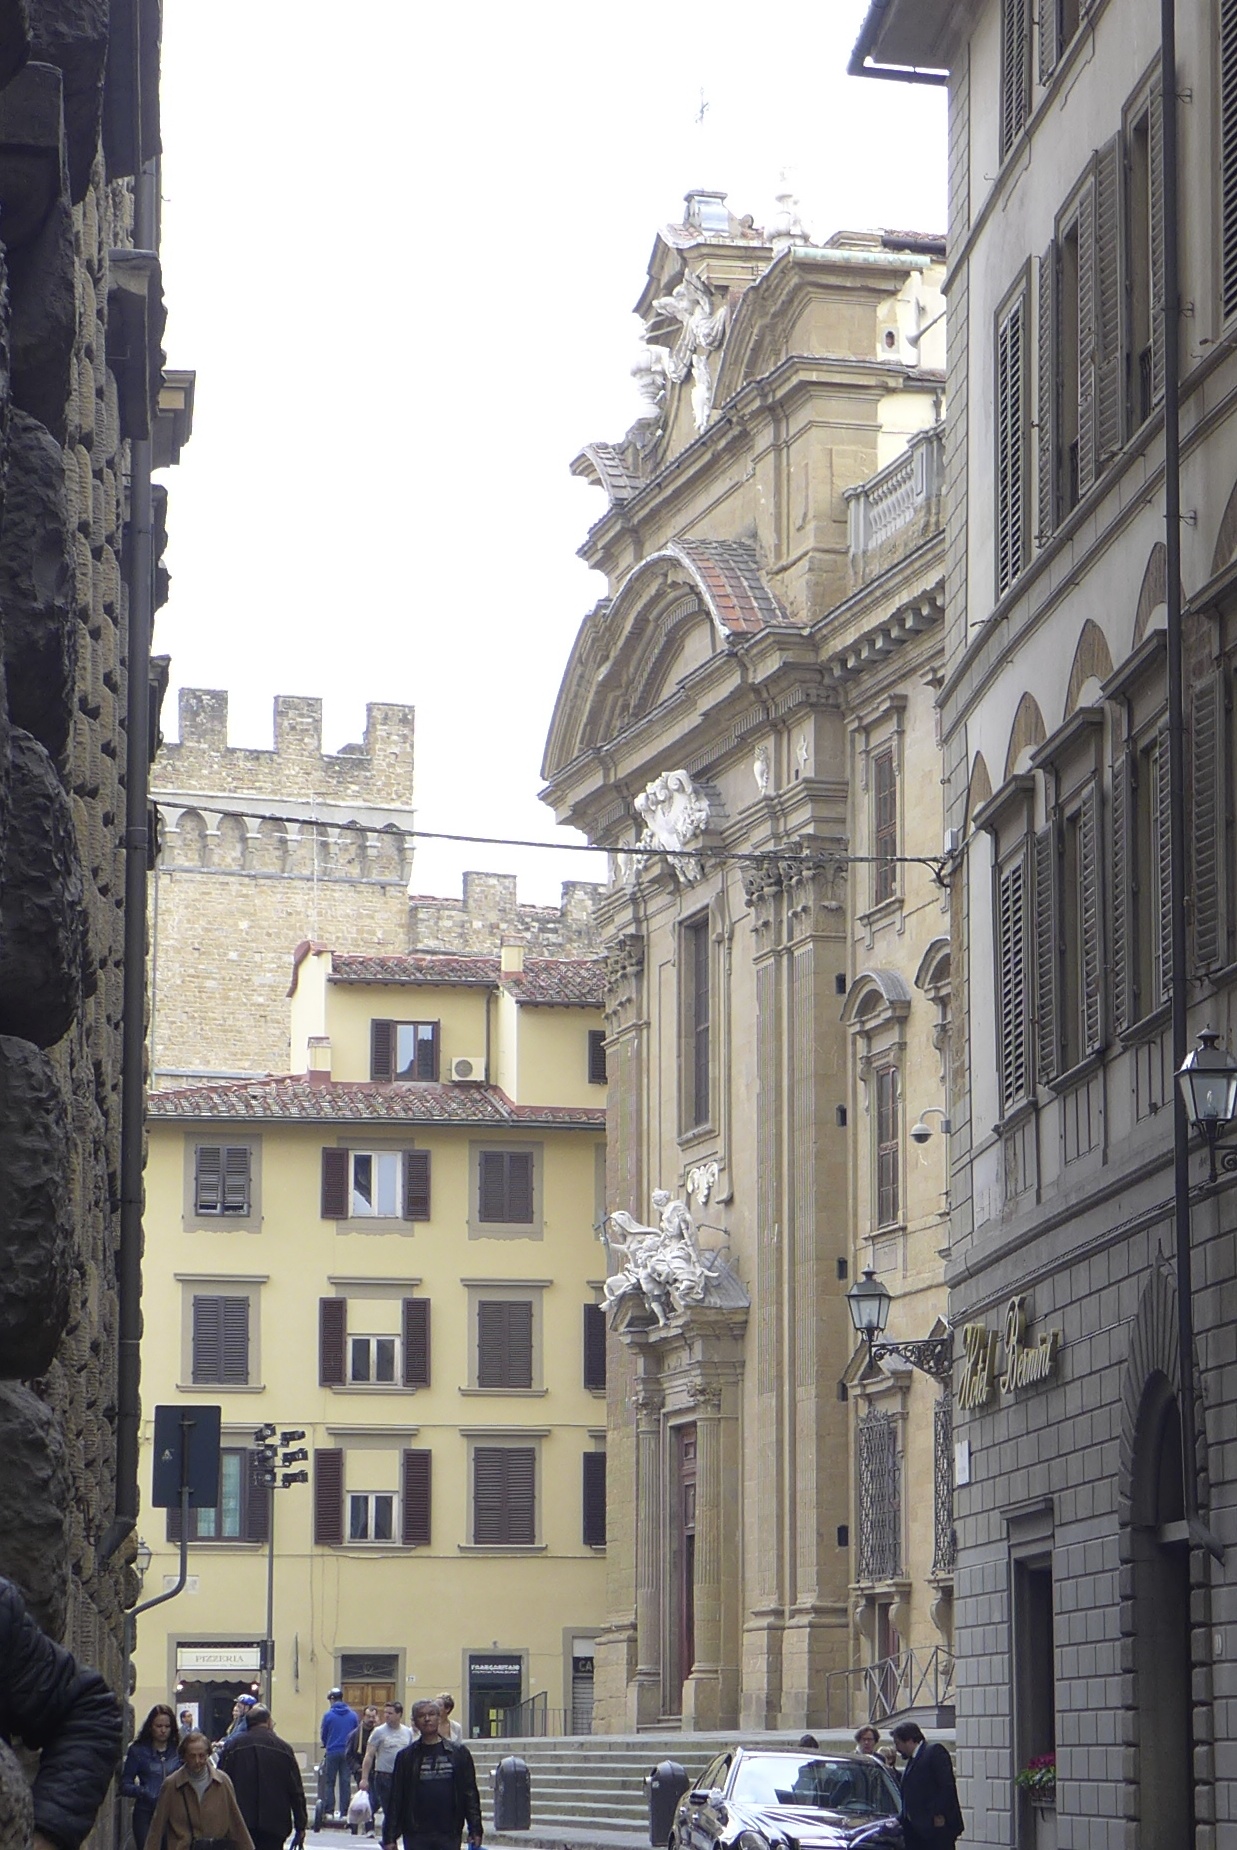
{"points": [[558, 982], [294, 1099], [413, 967], [730, 576], [562, 982]]}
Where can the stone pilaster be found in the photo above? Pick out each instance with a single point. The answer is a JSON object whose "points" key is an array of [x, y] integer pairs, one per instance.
{"points": [[645, 1695], [702, 1707]]}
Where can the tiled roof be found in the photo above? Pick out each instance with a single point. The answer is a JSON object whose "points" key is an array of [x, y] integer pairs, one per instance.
{"points": [[563, 982], [294, 1099], [730, 576]]}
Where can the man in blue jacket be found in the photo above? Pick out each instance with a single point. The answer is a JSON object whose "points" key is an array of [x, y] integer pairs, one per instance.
{"points": [[338, 1725]]}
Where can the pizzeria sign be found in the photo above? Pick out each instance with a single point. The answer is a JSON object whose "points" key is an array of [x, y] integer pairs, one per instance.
{"points": [[1026, 1364]]}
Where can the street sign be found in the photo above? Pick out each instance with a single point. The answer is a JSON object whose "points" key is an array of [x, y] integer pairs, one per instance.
{"points": [[186, 1452]]}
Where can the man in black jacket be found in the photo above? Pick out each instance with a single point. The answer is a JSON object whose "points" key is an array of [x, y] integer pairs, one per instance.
{"points": [[264, 1771], [931, 1815], [70, 1715], [433, 1790]]}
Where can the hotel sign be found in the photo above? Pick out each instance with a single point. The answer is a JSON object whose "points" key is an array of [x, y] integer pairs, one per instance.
{"points": [[1026, 1364]]}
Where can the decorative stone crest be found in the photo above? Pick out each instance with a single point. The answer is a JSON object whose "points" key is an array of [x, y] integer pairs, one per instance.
{"points": [[674, 814], [664, 1265], [702, 1180]]}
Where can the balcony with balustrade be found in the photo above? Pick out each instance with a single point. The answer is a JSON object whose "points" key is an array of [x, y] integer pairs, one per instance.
{"points": [[898, 507]]}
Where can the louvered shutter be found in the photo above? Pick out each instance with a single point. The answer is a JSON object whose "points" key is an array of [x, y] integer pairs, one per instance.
{"points": [[332, 1341], [1046, 395], [1014, 61], [1049, 39], [416, 1342], [504, 1343], [235, 1342], [519, 1186], [417, 1475], [1155, 189], [1107, 273], [1086, 337], [1011, 487], [221, 1341], [597, 1056], [208, 1178], [236, 1166], [1046, 928], [329, 1497], [174, 1524], [1121, 888], [520, 1344], [506, 1186], [1161, 835], [1090, 948], [382, 1050], [1013, 980], [416, 1185], [594, 1499], [521, 1495], [489, 1495], [335, 1185], [257, 1511], [594, 1346], [1206, 811], [1228, 157], [427, 1054], [492, 1194]]}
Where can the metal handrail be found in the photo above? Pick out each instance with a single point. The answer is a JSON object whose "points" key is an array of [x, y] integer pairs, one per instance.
{"points": [[890, 1687], [533, 1719]]}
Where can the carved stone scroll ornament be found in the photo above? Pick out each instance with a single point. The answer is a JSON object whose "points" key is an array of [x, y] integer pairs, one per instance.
{"points": [[661, 1264], [674, 814]]}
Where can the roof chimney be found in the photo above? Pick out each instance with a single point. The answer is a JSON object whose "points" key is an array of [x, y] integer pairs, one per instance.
{"points": [[511, 960], [318, 1060]]}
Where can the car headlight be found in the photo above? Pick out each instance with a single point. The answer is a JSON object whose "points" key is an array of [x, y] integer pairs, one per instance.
{"points": [[752, 1840]]}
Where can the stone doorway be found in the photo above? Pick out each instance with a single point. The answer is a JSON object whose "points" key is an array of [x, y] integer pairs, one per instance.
{"points": [[1162, 1658], [682, 1628]]}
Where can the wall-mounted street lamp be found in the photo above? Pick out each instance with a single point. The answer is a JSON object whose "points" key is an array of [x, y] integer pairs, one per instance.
{"points": [[1208, 1081], [142, 1558], [868, 1302]]}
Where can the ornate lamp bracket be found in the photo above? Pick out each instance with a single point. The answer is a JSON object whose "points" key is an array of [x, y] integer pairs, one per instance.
{"points": [[933, 1355]]}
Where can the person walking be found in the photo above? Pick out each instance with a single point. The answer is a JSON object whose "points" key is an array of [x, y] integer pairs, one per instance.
{"points": [[338, 1725], [359, 1740], [264, 1772], [931, 1815], [434, 1795], [154, 1754], [197, 1801], [446, 1708], [867, 1739], [386, 1744]]}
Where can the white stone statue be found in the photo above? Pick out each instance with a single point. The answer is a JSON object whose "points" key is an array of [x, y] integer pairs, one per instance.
{"points": [[704, 330], [702, 1180], [662, 1263], [760, 768], [674, 814]]}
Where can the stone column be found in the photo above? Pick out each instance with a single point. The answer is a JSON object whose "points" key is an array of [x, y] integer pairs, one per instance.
{"points": [[701, 1692], [645, 1697]]}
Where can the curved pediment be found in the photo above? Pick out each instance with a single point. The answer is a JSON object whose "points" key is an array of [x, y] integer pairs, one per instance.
{"points": [[677, 608]]}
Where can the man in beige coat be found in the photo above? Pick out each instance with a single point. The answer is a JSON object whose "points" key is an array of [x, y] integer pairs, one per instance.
{"points": [[197, 1802]]}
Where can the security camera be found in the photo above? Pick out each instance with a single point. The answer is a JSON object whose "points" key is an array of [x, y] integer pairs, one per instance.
{"points": [[920, 1132]]}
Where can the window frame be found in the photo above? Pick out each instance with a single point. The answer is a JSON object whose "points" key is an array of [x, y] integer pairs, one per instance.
{"points": [[253, 1507], [696, 1027], [413, 1190], [532, 1540], [886, 1145], [195, 1219], [885, 821], [531, 1229], [352, 1338], [506, 1290], [384, 1032], [234, 1285], [371, 1498], [200, 1374]]}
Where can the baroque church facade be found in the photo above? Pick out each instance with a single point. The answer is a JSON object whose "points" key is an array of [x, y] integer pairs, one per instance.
{"points": [[747, 721]]}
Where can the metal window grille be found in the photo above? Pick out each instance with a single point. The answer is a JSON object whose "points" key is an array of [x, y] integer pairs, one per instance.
{"points": [[943, 1486], [880, 1498]]}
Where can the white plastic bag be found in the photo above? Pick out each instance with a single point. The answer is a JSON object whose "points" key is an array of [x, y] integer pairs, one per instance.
{"points": [[360, 1811]]}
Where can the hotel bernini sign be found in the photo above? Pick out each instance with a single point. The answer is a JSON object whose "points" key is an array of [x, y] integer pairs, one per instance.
{"points": [[1025, 1364]]}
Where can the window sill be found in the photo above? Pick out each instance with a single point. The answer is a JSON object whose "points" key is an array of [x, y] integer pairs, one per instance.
{"points": [[699, 1133], [221, 1387], [1015, 1118], [890, 908], [365, 1551], [1148, 1026], [508, 1393], [505, 1230], [1075, 1076], [501, 1548], [219, 1545], [221, 1223], [373, 1387], [374, 1223]]}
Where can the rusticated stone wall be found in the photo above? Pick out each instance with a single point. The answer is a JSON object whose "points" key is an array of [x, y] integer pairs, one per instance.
{"points": [[65, 231]]}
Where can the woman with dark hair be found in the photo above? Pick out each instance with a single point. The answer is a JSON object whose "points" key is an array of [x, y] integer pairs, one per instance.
{"points": [[153, 1756]]}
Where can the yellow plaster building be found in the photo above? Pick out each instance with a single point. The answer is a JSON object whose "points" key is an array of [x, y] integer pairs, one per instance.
{"points": [[393, 1253]]}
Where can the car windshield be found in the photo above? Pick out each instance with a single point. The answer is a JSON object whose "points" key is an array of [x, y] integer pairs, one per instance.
{"points": [[851, 1785]]}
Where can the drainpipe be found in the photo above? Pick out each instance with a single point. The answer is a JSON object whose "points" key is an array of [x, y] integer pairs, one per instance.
{"points": [[141, 586], [1200, 1535]]}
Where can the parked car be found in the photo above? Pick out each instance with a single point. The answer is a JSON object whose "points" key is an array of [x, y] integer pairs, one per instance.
{"points": [[755, 1800]]}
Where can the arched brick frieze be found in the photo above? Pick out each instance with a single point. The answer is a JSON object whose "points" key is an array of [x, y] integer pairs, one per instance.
{"points": [[1092, 662], [1153, 592], [1028, 733]]}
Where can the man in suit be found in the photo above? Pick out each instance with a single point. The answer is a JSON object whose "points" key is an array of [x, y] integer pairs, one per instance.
{"points": [[931, 1816]]}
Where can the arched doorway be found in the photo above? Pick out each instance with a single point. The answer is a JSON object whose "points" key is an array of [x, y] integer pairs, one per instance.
{"points": [[1162, 1624]]}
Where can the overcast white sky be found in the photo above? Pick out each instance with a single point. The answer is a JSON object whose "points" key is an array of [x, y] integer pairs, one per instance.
{"points": [[402, 262]]}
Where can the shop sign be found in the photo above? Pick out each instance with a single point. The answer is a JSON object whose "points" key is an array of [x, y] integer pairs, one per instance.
{"points": [[214, 1660], [495, 1666], [1026, 1364]]}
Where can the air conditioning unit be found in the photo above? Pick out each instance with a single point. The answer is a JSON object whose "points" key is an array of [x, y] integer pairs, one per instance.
{"points": [[468, 1069]]}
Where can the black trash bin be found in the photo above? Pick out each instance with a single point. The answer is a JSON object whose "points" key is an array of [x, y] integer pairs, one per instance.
{"points": [[667, 1783], [513, 1795]]}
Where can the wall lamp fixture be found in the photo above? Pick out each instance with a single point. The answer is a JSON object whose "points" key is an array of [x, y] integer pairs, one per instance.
{"points": [[1208, 1081], [868, 1302]]}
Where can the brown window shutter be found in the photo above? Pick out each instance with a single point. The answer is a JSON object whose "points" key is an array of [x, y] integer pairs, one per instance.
{"points": [[335, 1185], [1046, 953], [236, 1172], [489, 1494], [416, 1342], [427, 1055], [520, 1344], [332, 1341], [493, 1356], [519, 1186], [1107, 270], [416, 1185], [492, 1187], [1089, 923], [1046, 396], [594, 1346], [594, 1499], [418, 1478], [221, 1341], [208, 1178], [382, 1050], [1122, 896], [521, 1495], [1206, 810], [256, 1524], [329, 1497], [596, 1056]]}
